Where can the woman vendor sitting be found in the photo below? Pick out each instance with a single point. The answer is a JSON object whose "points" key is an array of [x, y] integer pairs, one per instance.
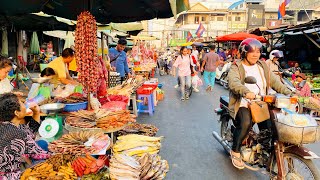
{"points": [[16, 139], [303, 86]]}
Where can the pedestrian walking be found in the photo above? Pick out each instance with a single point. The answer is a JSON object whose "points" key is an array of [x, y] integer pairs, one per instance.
{"points": [[183, 63], [209, 65]]}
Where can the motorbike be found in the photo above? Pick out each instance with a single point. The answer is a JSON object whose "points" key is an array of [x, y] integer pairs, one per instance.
{"points": [[265, 150], [222, 74]]}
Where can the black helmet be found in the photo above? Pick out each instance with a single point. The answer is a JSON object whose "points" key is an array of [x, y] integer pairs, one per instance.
{"points": [[248, 45]]}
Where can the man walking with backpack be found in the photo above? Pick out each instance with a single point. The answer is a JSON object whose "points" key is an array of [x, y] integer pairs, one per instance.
{"points": [[209, 65]]}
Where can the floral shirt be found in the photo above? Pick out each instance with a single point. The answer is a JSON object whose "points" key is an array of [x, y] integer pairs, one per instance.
{"points": [[14, 143]]}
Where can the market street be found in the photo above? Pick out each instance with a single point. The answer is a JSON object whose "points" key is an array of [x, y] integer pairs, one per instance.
{"points": [[189, 146]]}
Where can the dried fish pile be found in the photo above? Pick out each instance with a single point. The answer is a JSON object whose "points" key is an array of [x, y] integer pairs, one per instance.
{"points": [[142, 129]]}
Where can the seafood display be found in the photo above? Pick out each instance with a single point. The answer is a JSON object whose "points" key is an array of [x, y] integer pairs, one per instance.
{"points": [[78, 143], [142, 129]]}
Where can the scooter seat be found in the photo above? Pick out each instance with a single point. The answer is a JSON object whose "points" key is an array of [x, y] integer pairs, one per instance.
{"points": [[224, 100]]}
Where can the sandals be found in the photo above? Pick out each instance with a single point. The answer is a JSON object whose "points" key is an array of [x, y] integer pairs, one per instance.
{"points": [[236, 161]]}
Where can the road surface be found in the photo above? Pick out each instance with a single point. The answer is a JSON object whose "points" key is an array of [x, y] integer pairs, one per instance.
{"points": [[189, 147]]}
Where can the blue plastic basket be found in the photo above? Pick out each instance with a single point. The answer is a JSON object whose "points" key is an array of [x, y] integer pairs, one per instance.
{"points": [[160, 85], [75, 107]]}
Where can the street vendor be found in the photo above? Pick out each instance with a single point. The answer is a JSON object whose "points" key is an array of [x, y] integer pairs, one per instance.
{"points": [[59, 65], [303, 87], [15, 141], [118, 59], [5, 85]]}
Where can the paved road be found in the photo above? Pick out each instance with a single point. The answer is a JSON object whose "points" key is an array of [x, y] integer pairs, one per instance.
{"points": [[192, 152]]}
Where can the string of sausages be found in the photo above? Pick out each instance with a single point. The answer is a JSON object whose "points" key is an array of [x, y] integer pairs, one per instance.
{"points": [[86, 51]]}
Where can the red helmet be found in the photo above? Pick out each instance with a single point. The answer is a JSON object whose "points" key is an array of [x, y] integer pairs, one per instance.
{"points": [[249, 45]]}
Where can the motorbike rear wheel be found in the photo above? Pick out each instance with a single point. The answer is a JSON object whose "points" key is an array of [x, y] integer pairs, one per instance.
{"points": [[297, 167]]}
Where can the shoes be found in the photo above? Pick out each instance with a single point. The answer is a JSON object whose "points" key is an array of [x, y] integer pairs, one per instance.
{"points": [[176, 86], [211, 88], [187, 97], [182, 98], [195, 90], [208, 88]]}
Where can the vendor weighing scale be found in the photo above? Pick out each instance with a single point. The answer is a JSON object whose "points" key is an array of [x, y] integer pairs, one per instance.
{"points": [[51, 128]]}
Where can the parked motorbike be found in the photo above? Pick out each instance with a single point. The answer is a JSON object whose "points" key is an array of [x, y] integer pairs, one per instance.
{"points": [[265, 150], [222, 74]]}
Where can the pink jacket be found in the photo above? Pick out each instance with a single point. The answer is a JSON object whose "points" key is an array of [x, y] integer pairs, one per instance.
{"points": [[305, 91]]}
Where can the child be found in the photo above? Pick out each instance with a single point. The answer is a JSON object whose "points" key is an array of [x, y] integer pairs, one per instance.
{"points": [[47, 72]]}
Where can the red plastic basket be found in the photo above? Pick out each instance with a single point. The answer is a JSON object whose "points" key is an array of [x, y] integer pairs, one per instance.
{"points": [[115, 105]]}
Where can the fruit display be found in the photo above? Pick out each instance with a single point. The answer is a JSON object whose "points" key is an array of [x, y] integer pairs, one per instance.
{"points": [[124, 167], [142, 129], [137, 145], [152, 167], [86, 51], [87, 165], [78, 143]]}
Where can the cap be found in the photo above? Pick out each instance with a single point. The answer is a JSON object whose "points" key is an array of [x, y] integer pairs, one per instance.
{"points": [[302, 75]]}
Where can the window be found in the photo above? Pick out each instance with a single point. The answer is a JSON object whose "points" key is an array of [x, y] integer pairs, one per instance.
{"points": [[238, 18], [203, 19], [196, 20], [212, 18], [241, 6], [229, 18], [219, 18]]}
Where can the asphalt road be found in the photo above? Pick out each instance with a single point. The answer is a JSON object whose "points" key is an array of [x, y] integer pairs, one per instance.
{"points": [[189, 147]]}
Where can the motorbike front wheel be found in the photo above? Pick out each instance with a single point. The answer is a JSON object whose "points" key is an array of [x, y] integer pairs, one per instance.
{"points": [[297, 167]]}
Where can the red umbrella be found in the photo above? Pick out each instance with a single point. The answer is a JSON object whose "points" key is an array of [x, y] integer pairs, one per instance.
{"points": [[239, 37]]}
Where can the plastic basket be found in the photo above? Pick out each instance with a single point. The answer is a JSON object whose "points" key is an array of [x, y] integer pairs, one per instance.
{"points": [[115, 105], [75, 107], [298, 135]]}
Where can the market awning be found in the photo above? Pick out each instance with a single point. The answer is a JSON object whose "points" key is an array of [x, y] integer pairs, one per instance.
{"points": [[34, 22], [239, 37], [143, 38], [105, 11]]}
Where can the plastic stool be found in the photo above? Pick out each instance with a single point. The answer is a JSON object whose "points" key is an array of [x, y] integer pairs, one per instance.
{"points": [[142, 108]]}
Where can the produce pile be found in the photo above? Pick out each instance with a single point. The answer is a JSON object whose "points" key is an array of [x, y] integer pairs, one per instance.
{"points": [[86, 51], [78, 143], [100, 118], [310, 102], [316, 82], [142, 129], [128, 87], [58, 160], [51, 171], [137, 145]]}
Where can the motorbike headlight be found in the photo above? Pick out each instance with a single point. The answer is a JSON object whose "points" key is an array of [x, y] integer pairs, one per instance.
{"points": [[283, 102]]}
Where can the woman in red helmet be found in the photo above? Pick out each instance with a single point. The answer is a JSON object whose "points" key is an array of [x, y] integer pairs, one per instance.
{"points": [[249, 65]]}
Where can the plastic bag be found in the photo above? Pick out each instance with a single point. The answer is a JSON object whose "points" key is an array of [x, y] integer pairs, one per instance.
{"points": [[34, 90], [297, 120], [196, 81], [64, 92]]}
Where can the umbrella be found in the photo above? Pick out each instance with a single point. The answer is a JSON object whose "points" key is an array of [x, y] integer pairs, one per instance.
{"points": [[239, 37], [4, 50], [34, 45], [197, 44]]}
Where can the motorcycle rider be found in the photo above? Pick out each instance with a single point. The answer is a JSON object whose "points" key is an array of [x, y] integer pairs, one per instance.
{"points": [[249, 65], [273, 62]]}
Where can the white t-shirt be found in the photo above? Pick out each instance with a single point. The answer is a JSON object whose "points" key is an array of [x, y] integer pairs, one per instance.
{"points": [[195, 53], [254, 71], [5, 86]]}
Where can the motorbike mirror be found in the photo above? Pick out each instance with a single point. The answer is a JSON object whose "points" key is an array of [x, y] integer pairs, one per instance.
{"points": [[250, 80]]}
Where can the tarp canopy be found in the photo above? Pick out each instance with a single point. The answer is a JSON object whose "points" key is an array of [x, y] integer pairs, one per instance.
{"points": [[239, 37], [105, 11], [33, 22]]}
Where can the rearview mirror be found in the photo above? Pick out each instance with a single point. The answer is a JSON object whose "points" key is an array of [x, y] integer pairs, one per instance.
{"points": [[250, 80]]}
